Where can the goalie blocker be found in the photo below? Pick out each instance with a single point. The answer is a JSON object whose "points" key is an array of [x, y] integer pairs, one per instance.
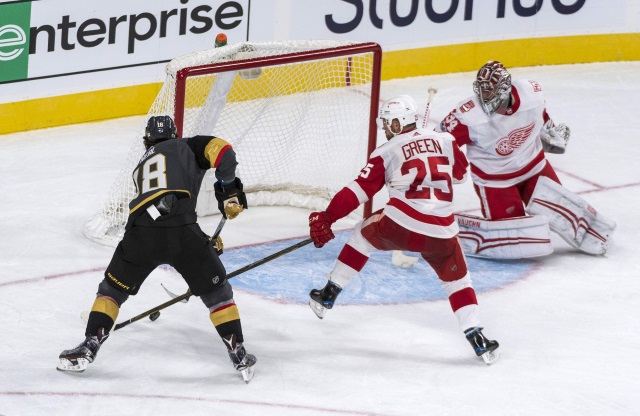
{"points": [[571, 217]]}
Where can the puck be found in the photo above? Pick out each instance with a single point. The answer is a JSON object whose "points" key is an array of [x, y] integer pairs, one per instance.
{"points": [[154, 315]]}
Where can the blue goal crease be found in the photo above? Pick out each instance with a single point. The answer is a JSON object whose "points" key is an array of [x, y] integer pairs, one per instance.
{"points": [[289, 278]]}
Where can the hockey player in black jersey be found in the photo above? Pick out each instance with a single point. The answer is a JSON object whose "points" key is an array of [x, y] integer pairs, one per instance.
{"points": [[162, 229]]}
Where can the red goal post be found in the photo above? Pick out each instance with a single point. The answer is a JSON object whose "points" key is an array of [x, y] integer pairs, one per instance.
{"points": [[301, 116]]}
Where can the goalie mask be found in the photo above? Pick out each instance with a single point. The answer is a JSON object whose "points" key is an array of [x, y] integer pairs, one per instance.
{"points": [[492, 86], [159, 129], [401, 108]]}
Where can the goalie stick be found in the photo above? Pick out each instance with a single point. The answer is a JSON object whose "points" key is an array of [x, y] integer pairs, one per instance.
{"points": [[398, 258], [231, 275]]}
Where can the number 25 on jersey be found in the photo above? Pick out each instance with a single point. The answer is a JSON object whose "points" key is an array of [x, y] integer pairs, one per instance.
{"points": [[418, 188]]}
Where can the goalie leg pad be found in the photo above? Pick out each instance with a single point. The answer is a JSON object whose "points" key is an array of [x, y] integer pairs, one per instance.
{"points": [[571, 217], [505, 239]]}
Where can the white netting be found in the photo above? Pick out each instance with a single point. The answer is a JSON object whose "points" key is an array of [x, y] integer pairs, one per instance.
{"points": [[300, 129]]}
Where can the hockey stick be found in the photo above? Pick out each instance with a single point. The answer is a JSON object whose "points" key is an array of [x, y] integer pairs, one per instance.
{"points": [[172, 295], [398, 258], [427, 110], [213, 238], [231, 275], [84, 315], [215, 235]]}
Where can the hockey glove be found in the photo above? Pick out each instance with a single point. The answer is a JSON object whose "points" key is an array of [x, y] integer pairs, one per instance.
{"points": [[554, 138], [218, 245], [231, 199], [320, 228]]}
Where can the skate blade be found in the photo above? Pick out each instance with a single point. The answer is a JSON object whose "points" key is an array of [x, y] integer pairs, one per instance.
{"points": [[317, 308], [247, 374], [66, 365], [490, 357]]}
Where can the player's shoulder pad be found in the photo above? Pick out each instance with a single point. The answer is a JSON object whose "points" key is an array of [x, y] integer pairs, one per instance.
{"points": [[443, 135], [467, 108], [466, 105], [468, 112], [529, 85], [382, 148]]}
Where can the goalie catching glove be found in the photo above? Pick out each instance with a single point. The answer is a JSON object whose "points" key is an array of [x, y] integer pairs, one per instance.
{"points": [[231, 199], [320, 228], [554, 138]]}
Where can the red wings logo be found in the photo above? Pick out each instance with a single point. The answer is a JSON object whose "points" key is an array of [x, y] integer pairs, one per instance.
{"points": [[515, 139]]}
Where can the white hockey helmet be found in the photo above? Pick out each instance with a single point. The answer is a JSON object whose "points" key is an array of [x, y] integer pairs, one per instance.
{"points": [[402, 108], [492, 86]]}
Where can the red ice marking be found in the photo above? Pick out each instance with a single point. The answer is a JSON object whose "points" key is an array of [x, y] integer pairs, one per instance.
{"points": [[192, 399], [609, 188], [599, 187], [50, 277], [100, 269]]}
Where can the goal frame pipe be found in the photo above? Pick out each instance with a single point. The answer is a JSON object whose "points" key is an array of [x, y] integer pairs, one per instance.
{"points": [[368, 47]]}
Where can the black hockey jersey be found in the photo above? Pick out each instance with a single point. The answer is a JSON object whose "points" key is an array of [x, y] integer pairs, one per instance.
{"points": [[169, 176]]}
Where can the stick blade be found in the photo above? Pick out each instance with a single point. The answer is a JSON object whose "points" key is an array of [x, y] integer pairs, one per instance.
{"points": [[398, 258]]}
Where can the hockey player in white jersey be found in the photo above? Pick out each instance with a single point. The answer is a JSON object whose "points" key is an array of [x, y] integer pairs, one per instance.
{"points": [[418, 168], [507, 131]]}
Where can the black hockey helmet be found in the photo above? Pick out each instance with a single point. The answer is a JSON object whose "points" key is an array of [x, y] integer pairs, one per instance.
{"points": [[159, 129]]}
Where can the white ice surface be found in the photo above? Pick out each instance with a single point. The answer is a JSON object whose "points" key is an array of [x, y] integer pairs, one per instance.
{"points": [[569, 329]]}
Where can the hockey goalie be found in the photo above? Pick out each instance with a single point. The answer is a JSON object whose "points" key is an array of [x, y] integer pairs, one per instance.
{"points": [[507, 132]]}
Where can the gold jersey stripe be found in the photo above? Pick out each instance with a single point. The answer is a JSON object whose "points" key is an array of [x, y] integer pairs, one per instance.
{"points": [[155, 195], [106, 306], [227, 314], [214, 149]]}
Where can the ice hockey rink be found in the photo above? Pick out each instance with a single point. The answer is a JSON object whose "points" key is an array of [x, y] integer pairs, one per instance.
{"points": [[568, 323]]}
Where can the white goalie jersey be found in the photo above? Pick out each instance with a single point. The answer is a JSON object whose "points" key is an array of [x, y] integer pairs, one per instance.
{"points": [[503, 149]]}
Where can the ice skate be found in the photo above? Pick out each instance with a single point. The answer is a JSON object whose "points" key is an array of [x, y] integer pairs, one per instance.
{"points": [[483, 347], [323, 299], [78, 358], [242, 361]]}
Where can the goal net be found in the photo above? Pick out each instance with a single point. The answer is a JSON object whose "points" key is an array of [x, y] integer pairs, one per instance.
{"points": [[299, 114]]}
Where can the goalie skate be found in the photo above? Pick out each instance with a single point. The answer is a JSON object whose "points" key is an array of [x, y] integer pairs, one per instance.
{"points": [[485, 348]]}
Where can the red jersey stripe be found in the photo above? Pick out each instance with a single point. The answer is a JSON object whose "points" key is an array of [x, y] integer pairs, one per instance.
{"points": [[505, 176]]}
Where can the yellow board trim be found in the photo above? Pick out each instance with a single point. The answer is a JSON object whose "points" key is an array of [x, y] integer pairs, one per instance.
{"points": [[77, 108], [136, 100], [106, 306], [225, 315], [512, 53]]}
